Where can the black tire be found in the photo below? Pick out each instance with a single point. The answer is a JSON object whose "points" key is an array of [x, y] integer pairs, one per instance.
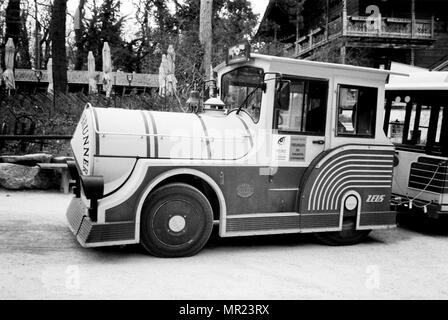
{"points": [[348, 236], [162, 236]]}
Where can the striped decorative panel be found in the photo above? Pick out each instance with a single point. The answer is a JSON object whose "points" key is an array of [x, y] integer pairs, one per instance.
{"points": [[92, 232], [89, 232], [378, 218], [262, 223], [111, 232], [85, 229], [312, 221], [351, 169], [75, 212], [429, 174]]}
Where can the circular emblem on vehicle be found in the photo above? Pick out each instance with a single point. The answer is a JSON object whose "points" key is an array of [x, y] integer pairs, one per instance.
{"points": [[245, 190]]}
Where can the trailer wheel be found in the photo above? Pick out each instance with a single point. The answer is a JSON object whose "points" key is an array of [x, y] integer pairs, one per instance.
{"points": [[176, 221], [348, 236]]}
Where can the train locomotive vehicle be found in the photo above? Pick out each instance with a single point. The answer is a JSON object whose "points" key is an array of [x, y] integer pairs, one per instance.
{"points": [[294, 146]]}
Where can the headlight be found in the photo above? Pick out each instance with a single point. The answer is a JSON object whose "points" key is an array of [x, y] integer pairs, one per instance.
{"points": [[351, 203]]}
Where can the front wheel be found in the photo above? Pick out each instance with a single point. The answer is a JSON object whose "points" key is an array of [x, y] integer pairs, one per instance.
{"points": [[177, 221], [348, 236]]}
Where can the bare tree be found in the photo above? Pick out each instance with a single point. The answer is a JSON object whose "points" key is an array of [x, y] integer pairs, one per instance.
{"points": [[79, 31], [24, 44], [205, 32], [58, 19], [41, 14], [13, 22], [2, 19]]}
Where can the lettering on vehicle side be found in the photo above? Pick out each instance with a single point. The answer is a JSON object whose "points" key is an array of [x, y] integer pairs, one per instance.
{"points": [[375, 198], [86, 145], [297, 149]]}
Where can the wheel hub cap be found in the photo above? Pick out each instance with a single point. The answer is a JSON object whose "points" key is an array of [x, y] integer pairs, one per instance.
{"points": [[176, 223]]}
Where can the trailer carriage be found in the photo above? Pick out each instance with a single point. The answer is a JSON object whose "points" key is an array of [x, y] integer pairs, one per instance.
{"points": [[416, 121]]}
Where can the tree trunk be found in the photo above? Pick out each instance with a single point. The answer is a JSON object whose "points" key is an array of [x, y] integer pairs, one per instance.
{"points": [[24, 46], [58, 45], [80, 52], [13, 23], [205, 33]]}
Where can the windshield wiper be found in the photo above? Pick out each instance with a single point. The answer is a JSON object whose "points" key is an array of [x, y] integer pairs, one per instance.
{"points": [[260, 85]]}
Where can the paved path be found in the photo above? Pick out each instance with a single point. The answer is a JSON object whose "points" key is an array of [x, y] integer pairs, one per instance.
{"points": [[40, 259]]}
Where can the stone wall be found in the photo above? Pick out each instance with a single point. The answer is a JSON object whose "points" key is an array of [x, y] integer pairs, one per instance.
{"points": [[22, 172]]}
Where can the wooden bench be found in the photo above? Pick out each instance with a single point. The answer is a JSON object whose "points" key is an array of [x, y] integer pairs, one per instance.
{"points": [[62, 168]]}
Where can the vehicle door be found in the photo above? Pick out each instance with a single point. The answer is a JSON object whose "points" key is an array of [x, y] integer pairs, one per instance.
{"points": [[299, 137]]}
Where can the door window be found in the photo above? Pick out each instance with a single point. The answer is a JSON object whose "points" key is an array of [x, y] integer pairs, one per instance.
{"points": [[356, 111], [306, 112]]}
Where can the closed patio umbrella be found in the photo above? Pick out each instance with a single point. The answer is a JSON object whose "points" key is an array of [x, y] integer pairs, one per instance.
{"points": [[8, 75], [107, 69], [162, 76], [50, 75], [91, 73], [171, 81]]}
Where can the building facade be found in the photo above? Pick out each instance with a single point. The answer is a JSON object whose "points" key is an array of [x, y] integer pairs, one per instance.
{"points": [[364, 32]]}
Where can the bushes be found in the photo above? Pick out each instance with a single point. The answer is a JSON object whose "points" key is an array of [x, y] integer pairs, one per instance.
{"points": [[28, 113]]}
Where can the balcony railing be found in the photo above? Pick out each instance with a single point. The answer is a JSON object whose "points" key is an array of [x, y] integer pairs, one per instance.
{"points": [[362, 26], [389, 27]]}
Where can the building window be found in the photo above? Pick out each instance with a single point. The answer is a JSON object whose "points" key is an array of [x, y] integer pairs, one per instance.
{"points": [[357, 111], [306, 112]]}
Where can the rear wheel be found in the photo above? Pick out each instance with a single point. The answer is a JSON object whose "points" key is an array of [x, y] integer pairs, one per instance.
{"points": [[177, 221], [348, 236]]}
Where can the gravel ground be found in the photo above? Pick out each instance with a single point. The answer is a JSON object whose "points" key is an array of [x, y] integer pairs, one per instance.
{"points": [[41, 259]]}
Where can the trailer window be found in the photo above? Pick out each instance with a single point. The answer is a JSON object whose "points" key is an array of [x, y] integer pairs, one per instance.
{"points": [[439, 125], [396, 122], [356, 111], [417, 120], [307, 108]]}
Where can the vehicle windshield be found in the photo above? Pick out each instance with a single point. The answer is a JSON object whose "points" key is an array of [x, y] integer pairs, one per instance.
{"points": [[243, 87]]}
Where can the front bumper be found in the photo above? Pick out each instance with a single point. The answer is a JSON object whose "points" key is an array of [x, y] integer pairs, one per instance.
{"points": [[93, 234], [432, 210]]}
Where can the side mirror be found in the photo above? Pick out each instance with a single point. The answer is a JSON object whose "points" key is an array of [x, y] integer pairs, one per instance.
{"points": [[283, 92]]}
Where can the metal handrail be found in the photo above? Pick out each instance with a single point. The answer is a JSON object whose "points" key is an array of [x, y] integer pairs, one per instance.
{"points": [[104, 133]]}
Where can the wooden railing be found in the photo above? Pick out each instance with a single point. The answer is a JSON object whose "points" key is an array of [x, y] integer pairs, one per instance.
{"points": [[389, 27], [364, 26]]}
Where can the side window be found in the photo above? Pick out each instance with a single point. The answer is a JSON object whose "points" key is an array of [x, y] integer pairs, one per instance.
{"points": [[396, 121], [442, 126], [441, 118], [418, 120], [307, 108], [357, 111]]}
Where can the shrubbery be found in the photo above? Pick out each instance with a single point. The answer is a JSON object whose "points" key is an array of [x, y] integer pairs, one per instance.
{"points": [[34, 114]]}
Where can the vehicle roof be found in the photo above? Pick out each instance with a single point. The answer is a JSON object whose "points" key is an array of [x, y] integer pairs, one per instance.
{"points": [[324, 64], [309, 63], [422, 80]]}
